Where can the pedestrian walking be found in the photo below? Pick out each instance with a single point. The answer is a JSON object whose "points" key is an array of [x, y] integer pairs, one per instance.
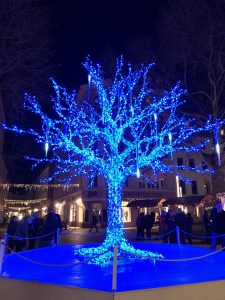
{"points": [[94, 222]]}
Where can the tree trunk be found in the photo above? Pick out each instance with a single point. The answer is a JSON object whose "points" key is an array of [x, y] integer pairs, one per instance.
{"points": [[115, 229]]}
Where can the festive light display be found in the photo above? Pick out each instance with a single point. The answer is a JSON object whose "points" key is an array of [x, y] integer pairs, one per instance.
{"points": [[116, 135], [45, 187]]}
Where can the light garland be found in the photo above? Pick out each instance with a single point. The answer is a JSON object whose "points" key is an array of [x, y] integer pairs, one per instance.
{"points": [[100, 137], [24, 202], [28, 187]]}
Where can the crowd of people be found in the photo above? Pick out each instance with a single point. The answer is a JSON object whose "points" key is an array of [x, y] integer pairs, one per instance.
{"points": [[213, 220], [33, 231], [170, 220]]}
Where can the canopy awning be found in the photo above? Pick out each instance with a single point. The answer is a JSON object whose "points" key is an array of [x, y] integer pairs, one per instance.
{"points": [[191, 200], [144, 203]]}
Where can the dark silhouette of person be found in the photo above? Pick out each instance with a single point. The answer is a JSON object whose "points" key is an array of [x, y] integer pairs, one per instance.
{"points": [[189, 224], [149, 219], [218, 225], [163, 226], [33, 228], [207, 225], [50, 225], [94, 222], [21, 233], [140, 224], [181, 221], [11, 230], [171, 225]]}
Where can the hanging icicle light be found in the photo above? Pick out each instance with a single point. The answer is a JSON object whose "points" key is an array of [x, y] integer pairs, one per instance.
{"points": [[138, 173], [218, 153], [89, 86], [217, 146], [137, 161], [156, 129], [47, 139], [170, 140], [46, 148]]}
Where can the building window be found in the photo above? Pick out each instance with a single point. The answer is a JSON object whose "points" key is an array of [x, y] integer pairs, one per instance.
{"points": [[155, 185], [182, 186], [162, 183], [207, 188], [180, 161], [142, 184], [126, 212], [204, 166], [93, 182], [191, 162], [194, 187], [72, 213]]}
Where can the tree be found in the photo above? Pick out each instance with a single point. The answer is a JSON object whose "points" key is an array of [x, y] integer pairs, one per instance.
{"points": [[116, 135], [191, 37], [26, 62]]}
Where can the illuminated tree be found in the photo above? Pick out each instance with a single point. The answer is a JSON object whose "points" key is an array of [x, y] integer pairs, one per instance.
{"points": [[125, 129]]}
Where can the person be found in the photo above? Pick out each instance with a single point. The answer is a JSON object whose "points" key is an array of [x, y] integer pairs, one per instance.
{"points": [[163, 226], [50, 225], [149, 219], [189, 224], [11, 230], [171, 226], [218, 225], [94, 222], [20, 234], [140, 224], [207, 225], [181, 221], [33, 229]]}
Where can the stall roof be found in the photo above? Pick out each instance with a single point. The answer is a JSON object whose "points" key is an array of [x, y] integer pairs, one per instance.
{"points": [[191, 200], [144, 203]]}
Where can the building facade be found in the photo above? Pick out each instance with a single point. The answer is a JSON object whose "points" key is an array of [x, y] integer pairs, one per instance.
{"points": [[77, 206], [3, 170]]}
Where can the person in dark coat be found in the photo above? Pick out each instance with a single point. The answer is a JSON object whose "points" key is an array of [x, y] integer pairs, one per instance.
{"points": [[94, 222], [207, 226], [21, 234], [33, 229], [171, 226], [11, 230], [218, 225], [149, 219], [189, 224], [140, 224], [163, 226], [50, 225], [181, 221]]}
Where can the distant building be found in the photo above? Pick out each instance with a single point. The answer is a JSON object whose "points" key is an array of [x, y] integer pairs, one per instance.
{"points": [[3, 170]]}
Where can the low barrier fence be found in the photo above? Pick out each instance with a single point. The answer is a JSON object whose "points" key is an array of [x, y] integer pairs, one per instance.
{"points": [[177, 232]]}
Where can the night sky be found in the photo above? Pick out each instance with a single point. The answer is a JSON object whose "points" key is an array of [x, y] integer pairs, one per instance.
{"points": [[89, 27]]}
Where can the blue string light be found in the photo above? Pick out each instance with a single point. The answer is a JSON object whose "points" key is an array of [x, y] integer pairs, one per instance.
{"points": [[116, 135]]}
